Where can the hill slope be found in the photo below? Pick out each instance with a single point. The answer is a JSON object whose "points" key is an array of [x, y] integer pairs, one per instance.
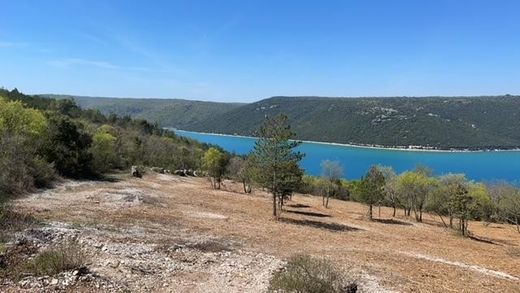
{"points": [[436, 122], [196, 239], [439, 122], [175, 113]]}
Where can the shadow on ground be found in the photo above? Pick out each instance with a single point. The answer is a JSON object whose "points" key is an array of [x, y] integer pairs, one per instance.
{"points": [[310, 214], [298, 206], [320, 225], [392, 222], [483, 240]]}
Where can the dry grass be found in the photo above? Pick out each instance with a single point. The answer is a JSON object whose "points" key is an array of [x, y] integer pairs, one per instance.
{"points": [[63, 257], [309, 275], [401, 254]]}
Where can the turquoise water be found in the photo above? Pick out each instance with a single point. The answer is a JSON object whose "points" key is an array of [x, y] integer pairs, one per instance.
{"points": [[481, 166]]}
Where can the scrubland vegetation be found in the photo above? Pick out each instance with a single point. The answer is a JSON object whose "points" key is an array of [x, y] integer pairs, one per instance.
{"points": [[42, 139]]}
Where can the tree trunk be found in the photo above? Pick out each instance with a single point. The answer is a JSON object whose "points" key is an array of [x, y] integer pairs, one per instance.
{"points": [[274, 205], [370, 212], [327, 202], [451, 221], [379, 211], [247, 187], [274, 194], [444, 223], [393, 215]]}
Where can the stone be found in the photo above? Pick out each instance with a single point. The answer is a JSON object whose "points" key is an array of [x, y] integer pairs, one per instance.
{"points": [[135, 172]]}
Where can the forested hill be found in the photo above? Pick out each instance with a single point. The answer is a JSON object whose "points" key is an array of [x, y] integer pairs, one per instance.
{"points": [[440, 122], [176, 113], [437, 122]]}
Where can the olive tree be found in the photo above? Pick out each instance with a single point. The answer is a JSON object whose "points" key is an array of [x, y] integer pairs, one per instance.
{"points": [[439, 201], [240, 169], [390, 187], [507, 200], [414, 188], [331, 171], [214, 162]]}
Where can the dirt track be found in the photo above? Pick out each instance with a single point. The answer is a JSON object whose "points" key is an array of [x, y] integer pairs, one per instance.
{"points": [[175, 234]]}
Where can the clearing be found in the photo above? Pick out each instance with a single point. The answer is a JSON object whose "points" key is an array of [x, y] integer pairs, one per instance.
{"points": [[165, 233]]}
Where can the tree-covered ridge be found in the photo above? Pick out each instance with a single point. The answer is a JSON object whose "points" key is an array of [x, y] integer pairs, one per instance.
{"points": [[487, 122], [436, 122], [176, 113]]}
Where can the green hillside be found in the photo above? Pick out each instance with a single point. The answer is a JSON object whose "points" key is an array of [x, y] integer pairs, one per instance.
{"points": [[440, 122], [175, 113], [436, 122]]}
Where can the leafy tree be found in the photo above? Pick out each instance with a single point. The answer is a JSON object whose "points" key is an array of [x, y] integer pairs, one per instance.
{"points": [[103, 149], [371, 188], [390, 188], [332, 172], [275, 161], [21, 131], [16, 119], [446, 189], [239, 168], [507, 200], [67, 147], [215, 163], [483, 203], [414, 188]]}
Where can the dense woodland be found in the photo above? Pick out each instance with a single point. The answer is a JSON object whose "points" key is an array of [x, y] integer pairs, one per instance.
{"points": [[437, 122], [434, 122], [42, 139]]}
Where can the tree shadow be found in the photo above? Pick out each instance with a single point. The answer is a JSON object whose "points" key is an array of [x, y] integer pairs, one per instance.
{"points": [[482, 239], [310, 214], [320, 225], [298, 205], [392, 222]]}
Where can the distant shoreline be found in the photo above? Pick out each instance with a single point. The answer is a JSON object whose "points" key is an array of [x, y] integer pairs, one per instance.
{"points": [[376, 147]]}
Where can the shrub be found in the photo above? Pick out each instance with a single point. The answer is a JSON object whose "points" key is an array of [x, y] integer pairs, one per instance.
{"points": [[306, 274], [11, 222], [64, 257]]}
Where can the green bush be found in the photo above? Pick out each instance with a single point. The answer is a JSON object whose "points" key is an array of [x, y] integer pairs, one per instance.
{"points": [[64, 257], [308, 275]]}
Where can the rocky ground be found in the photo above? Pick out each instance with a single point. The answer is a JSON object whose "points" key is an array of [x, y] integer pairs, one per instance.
{"points": [[165, 233]]}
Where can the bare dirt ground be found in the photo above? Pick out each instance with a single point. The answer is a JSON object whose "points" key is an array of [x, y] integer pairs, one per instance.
{"points": [[165, 233]]}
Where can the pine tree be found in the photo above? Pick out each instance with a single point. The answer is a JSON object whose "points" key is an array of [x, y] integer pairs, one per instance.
{"points": [[275, 161]]}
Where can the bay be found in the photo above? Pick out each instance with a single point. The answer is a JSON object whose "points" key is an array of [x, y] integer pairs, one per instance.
{"points": [[484, 166]]}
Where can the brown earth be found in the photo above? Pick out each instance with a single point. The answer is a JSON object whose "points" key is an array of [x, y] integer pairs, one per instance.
{"points": [[176, 234]]}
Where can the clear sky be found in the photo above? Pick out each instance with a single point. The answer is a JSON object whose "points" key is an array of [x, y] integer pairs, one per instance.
{"points": [[247, 50]]}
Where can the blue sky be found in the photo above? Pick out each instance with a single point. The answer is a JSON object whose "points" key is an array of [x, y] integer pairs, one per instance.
{"points": [[248, 50]]}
